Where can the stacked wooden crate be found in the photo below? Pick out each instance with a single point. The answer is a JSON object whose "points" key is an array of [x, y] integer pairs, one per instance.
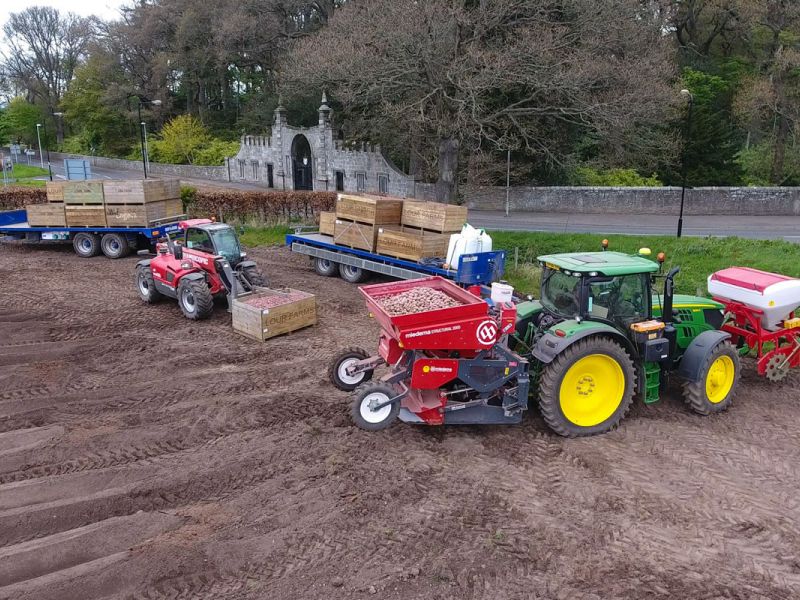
{"points": [[142, 203], [358, 219], [83, 204], [424, 231], [52, 213], [327, 223]]}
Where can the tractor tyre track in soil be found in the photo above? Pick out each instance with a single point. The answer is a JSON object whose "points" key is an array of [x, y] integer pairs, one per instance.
{"points": [[144, 456]]}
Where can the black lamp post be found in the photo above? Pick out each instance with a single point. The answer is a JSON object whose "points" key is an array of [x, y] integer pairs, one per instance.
{"points": [[141, 127], [690, 100]]}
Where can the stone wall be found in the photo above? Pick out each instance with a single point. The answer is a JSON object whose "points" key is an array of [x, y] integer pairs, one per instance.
{"points": [[156, 169]]}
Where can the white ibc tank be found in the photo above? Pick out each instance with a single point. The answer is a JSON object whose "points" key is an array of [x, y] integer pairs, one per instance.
{"points": [[468, 241], [776, 295]]}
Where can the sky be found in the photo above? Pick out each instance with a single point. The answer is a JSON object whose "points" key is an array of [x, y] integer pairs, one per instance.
{"points": [[105, 9]]}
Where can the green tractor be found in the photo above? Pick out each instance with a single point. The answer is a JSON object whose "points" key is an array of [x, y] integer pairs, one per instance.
{"points": [[601, 335]]}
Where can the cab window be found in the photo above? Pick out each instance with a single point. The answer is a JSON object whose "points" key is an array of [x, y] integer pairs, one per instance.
{"points": [[197, 239], [622, 299], [561, 293]]}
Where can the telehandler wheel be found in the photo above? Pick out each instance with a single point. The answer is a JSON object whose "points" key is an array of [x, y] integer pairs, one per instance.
{"points": [[115, 245], [588, 388], [352, 274], [146, 286], [325, 267], [337, 372], [368, 395], [255, 277], [714, 390], [195, 299], [86, 245]]}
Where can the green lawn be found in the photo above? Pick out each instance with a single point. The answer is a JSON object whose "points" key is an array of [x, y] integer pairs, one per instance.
{"points": [[265, 236], [25, 171]]}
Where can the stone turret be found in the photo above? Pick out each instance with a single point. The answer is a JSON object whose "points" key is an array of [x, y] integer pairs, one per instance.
{"points": [[324, 112]]}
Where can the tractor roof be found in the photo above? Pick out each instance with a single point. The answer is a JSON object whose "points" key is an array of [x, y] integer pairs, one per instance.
{"points": [[604, 263]]}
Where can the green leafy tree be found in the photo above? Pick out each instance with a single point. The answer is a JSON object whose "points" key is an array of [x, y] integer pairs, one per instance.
{"points": [[18, 123], [180, 141], [612, 178]]}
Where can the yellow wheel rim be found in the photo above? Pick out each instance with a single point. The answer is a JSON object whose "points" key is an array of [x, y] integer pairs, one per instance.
{"points": [[592, 389], [720, 378]]}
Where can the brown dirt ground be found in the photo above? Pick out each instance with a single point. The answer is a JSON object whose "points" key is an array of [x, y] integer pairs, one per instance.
{"points": [[146, 456]]}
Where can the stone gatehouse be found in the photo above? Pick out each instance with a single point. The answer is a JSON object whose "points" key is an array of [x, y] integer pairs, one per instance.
{"points": [[309, 158]]}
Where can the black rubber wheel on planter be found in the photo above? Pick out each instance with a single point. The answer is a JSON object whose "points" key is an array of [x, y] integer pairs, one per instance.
{"points": [[195, 299], [714, 390], [372, 393], [86, 245], [255, 277], [588, 388], [352, 274], [338, 374], [115, 245], [146, 286], [325, 267]]}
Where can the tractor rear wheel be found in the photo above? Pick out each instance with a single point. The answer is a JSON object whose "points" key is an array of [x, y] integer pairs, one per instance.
{"points": [[255, 277], [146, 286], [337, 372], [325, 267], [588, 388], [195, 299], [86, 245], [115, 245], [369, 395], [352, 274], [713, 391]]}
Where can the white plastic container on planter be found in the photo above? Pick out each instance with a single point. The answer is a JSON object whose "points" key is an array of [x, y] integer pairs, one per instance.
{"points": [[776, 295]]}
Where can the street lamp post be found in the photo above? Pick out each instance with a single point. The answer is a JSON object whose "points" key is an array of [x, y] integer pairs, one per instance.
{"points": [[143, 131], [39, 137], [690, 100]]}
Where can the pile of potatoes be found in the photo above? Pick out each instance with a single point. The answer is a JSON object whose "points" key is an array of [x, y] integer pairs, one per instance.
{"points": [[416, 300]]}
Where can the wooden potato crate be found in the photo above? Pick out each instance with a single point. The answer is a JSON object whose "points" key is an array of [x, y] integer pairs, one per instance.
{"points": [[85, 215], [355, 235], [55, 191], [411, 244], [83, 192], [434, 216], [46, 215], [143, 215], [327, 223], [267, 313], [376, 210], [141, 191]]}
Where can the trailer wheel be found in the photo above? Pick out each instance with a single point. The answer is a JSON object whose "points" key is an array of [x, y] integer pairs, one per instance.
{"points": [[352, 274], [325, 267], [195, 299], [714, 390], [146, 286], [368, 395], [115, 245], [337, 372], [86, 245], [588, 388]]}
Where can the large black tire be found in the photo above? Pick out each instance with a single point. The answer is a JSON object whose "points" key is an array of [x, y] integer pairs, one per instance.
{"points": [[115, 245], [195, 299], [714, 390], [255, 277], [588, 388], [371, 420], [86, 245], [325, 267], [352, 274], [337, 374], [145, 285]]}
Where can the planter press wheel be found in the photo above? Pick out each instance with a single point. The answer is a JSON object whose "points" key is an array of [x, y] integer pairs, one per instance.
{"points": [[337, 372], [363, 410]]}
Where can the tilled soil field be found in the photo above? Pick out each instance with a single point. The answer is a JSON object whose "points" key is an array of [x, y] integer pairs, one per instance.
{"points": [[146, 456]]}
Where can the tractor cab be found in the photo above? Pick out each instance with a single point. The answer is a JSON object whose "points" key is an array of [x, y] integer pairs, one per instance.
{"points": [[217, 239]]}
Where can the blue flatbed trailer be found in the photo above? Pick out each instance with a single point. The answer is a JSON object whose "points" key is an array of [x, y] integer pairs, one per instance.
{"points": [[473, 269], [114, 242]]}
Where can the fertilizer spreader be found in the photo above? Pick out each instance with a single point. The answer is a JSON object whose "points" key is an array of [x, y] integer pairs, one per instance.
{"points": [[760, 312]]}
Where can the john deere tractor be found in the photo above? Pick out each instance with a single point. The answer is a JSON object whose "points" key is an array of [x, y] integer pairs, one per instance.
{"points": [[601, 335]]}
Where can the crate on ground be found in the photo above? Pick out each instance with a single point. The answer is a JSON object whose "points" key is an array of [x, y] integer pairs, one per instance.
{"points": [[85, 215], [141, 191], [327, 223], [55, 191], [83, 192], [362, 236], [375, 210], [143, 215], [46, 215], [267, 313], [411, 244], [434, 216]]}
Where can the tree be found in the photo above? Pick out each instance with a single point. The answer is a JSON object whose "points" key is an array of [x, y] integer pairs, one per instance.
{"points": [[470, 75], [18, 123], [181, 139]]}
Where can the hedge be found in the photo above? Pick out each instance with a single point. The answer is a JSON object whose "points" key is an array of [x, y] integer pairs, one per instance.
{"points": [[12, 197], [266, 207]]}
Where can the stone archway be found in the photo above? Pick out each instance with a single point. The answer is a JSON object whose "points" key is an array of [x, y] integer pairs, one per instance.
{"points": [[302, 173]]}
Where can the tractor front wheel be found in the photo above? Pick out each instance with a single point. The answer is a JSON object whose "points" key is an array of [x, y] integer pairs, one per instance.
{"points": [[146, 286], [195, 299], [255, 277], [588, 388], [714, 389], [363, 410], [337, 372]]}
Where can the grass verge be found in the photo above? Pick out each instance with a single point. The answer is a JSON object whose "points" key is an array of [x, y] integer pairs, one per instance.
{"points": [[24, 171]]}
